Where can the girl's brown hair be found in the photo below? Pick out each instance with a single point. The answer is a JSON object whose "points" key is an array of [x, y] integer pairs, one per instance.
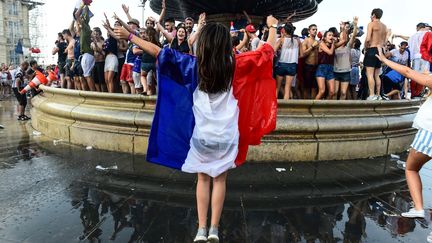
{"points": [[215, 59]]}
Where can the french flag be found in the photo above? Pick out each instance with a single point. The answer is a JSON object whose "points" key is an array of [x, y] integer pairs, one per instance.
{"points": [[198, 132]]}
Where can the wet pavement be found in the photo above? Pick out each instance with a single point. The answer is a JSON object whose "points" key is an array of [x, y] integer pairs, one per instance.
{"points": [[51, 191]]}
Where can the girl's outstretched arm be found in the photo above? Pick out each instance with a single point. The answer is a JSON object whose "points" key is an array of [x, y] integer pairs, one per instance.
{"points": [[146, 46], [421, 78]]}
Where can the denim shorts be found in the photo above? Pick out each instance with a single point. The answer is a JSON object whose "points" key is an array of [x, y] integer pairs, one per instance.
{"points": [[147, 67], [286, 69], [343, 77], [355, 76], [325, 71]]}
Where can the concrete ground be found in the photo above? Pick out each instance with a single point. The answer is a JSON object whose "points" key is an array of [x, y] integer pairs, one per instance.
{"points": [[51, 191]]}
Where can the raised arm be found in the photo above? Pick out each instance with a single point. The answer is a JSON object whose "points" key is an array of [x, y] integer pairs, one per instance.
{"points": [[201, 23], [271, 21], [126, 10], [354, 34], [244, 41], [146, 46], [343, 40], [249, 20], [78, 14], [123, 23], [420, 78], [109, 30], [165, 32], [71, 28], [163, 12], [288, 19]]}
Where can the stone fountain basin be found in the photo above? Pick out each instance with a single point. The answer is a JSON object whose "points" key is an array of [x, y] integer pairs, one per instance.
{"points": [[306, 130]]}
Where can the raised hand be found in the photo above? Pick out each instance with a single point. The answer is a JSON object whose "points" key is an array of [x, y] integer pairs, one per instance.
{"points": [[125, 8], [202, 19], [271, 21], [116, 17], [163, 4], [121, 33], [355, 20]]}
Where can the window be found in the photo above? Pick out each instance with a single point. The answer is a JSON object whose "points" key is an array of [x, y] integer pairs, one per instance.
{"points": [[13, 57], [13, 8]]}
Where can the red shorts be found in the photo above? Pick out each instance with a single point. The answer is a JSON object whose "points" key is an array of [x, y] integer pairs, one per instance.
{"points": [[126, 73]]}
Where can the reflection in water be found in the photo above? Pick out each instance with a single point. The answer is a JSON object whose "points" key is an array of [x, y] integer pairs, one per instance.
{"points": [[24, 150], [156, 221]]}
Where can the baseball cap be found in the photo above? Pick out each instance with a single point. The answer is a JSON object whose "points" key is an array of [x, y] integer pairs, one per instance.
{"points": [[421, 25], [134, 21], [250, 28]]}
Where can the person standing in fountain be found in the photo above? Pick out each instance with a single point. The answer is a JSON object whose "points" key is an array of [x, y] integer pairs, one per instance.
{"points": [[88, 62], [287, 66], [210, 108], [310, 53], [376, 36], [421, 148]]}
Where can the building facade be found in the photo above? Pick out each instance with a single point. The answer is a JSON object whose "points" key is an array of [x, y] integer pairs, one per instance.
{"points": [[14, 26]]}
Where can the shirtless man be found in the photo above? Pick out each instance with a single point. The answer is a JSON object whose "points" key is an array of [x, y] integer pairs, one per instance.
{"points": [[70, 58], [98, 71], [376, 36], [310, 55]]}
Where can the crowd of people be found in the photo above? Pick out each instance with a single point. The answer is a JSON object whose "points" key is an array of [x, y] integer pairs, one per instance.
{"points": [[312, 65]]}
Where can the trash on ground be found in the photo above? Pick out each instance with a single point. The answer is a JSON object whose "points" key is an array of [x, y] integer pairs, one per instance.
{"points": [[1, 127], [36, 133], [89, 147], [280, 170], [394, 156], [101, 168], [57, 142]]}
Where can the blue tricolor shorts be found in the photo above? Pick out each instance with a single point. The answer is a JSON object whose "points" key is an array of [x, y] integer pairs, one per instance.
{"points": [[423, 142]]}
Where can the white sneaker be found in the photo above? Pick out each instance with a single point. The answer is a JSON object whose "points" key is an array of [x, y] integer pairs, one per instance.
{"points": [[373, 97], [201, 235], [213, 235], [413, 213], [213, 238]]}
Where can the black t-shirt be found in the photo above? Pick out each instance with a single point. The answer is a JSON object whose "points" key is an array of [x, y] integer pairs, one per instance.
{"points": [[183, 47], [61, 53]]}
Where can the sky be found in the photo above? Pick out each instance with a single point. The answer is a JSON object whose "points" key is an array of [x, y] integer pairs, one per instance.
{"points": [[400, 15]]}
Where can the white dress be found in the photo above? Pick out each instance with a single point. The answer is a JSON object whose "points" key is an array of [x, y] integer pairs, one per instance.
{"points": [[214, 142]]}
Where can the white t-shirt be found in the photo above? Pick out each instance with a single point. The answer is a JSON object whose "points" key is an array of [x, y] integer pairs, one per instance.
{"points": [[289, 51], [423, 119], [3, 77], [399, 58], [414, 44], [255, 43]]}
